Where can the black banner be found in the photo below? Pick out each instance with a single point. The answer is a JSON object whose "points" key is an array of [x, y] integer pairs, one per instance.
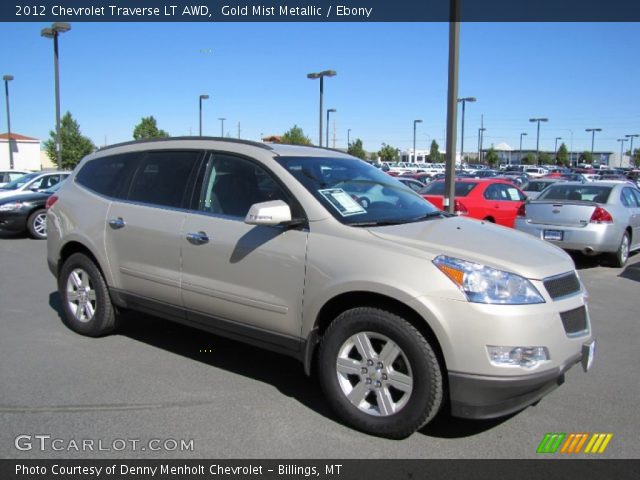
{"points": [[319, 11], [329, 469]]}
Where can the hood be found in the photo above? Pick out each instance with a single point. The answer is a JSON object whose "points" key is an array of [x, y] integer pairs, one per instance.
{"points": [[481, 242]]}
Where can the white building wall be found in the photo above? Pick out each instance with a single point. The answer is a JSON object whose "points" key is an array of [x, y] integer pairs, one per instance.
{"points": [[26, 154]]}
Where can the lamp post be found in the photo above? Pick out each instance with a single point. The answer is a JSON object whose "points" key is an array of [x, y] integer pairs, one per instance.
{"points": [[538, 120], [321, 75], [523, 134], [481, 131], [415, 122], [593, 135], [202, 97], [630, 137], [621, 140], [555, 147], [53, 32], [464, 102], [7, 79], [222, 126], [329, 110], [348, 137]]}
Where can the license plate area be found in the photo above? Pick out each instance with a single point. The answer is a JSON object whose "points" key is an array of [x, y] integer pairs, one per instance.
{"points": [[557, 235]]}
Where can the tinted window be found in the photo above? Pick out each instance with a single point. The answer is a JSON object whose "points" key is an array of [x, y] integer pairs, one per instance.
{"points": [[437, 188], [108, 175], [585, 193], [233, 184], [162, 178]]}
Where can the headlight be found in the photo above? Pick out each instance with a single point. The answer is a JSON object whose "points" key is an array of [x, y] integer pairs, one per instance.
{"points": [[482, 284], [10, 207]]}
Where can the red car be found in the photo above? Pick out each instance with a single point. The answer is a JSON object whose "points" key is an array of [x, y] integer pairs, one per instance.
{"points": [[494, 200]]}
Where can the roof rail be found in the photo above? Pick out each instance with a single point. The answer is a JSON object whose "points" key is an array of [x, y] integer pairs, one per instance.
{"points": [[170, 139]]}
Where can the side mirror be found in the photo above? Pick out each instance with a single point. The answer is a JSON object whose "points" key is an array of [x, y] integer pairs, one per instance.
{"points": [[270, 213]]}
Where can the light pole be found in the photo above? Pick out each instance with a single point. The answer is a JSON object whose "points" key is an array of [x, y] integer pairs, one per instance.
{"points": [[481, 131], [348, 137], [7, 79], [630, 137], [464, 102], [321, 75], [415, 122], [555, 147], [53, 32], [593, 135], [222, 126], [329, 110], [538, 136], [621, 140], [523, 134], [202, 97]]}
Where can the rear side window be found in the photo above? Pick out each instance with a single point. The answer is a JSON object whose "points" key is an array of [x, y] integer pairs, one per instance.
{"points": [[628, 199], [462, 189], [108, 175], [162, 177]]}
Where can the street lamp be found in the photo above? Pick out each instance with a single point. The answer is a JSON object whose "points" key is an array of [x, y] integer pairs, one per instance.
{"points": [[222, 126], [7, 79], [321, 75], [348, 137], [630, 137], [621, 140], [463, 101], [481, 131], [523, 134], [538, 136], [415, 122], [593, 134], [555, 147], [329, 110], [53, 32], [202, 97]]}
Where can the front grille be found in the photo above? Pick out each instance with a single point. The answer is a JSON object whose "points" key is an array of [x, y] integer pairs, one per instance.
{"points": [[562, 285], [574, 321]]}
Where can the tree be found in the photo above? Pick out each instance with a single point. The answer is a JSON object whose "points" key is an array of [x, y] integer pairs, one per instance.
{"points": [[148, 128], [295, 136], [355, 149], [635, 159], [388, 154], [74, 145], [373, 156], [544, 158], [562, 156], [492, 157], [434, 152], [586, 157], [529, 159]]}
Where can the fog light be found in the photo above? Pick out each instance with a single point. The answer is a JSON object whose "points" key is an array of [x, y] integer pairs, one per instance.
{"points": [[526, 357]]}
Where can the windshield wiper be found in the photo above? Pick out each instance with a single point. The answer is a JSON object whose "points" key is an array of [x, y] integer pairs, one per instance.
{"points": [[381, 223]]}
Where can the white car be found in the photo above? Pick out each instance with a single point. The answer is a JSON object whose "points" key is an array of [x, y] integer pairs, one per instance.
{"points": [[7, 176], [32, 182]]}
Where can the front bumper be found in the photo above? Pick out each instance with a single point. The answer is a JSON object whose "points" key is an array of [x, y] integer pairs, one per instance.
{"points": [[482, 397]]}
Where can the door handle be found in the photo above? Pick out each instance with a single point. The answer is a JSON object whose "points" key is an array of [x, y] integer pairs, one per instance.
{"points": [[116, 223], [198, 238]]}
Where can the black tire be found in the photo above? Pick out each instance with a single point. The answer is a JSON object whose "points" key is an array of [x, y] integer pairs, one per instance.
{"points": [[90, 313], [37, 224], [619, 259], [415, 361]]}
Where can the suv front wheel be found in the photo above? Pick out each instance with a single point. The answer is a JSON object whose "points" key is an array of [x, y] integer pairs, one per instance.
{"points": [[379, 373], [85, 298]]}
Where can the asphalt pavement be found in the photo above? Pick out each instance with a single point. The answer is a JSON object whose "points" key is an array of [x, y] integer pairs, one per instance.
{"points": [[161, 390]]}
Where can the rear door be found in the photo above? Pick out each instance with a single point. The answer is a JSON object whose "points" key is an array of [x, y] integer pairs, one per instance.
{"points": [[143, 232], [238, 275], [630, 198], [503, 202]]}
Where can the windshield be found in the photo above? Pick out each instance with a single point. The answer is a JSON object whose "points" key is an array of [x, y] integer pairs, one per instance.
{"points": [[19, 182], [583, 193], [357, 193], [437, 188]]}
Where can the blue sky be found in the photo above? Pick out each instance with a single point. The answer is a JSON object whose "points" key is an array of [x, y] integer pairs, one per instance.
{"points": [[112, 74]]}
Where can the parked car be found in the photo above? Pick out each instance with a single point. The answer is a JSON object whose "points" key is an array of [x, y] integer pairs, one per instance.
{"points": [[534, 186], [413, 184], [27, 212], [593, 218], [496, 201], [7, 176], [403, 309], [32, 182], [536, 171]]}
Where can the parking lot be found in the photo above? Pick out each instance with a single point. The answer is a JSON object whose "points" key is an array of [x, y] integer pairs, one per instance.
{"points": [[157, 380]]}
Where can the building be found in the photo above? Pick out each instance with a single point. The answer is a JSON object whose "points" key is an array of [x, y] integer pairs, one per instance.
{"points": [[510, 156], [26, 152]]}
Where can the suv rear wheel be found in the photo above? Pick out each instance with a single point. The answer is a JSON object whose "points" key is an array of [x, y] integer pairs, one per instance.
{"points": [[85, 298], [379, 373]]}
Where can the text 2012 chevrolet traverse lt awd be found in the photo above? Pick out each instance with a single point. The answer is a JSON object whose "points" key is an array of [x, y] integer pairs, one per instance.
{"points": [[403, 309]]}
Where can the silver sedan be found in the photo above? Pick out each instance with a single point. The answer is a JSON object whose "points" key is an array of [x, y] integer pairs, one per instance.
{"points": [[593, 218]]}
